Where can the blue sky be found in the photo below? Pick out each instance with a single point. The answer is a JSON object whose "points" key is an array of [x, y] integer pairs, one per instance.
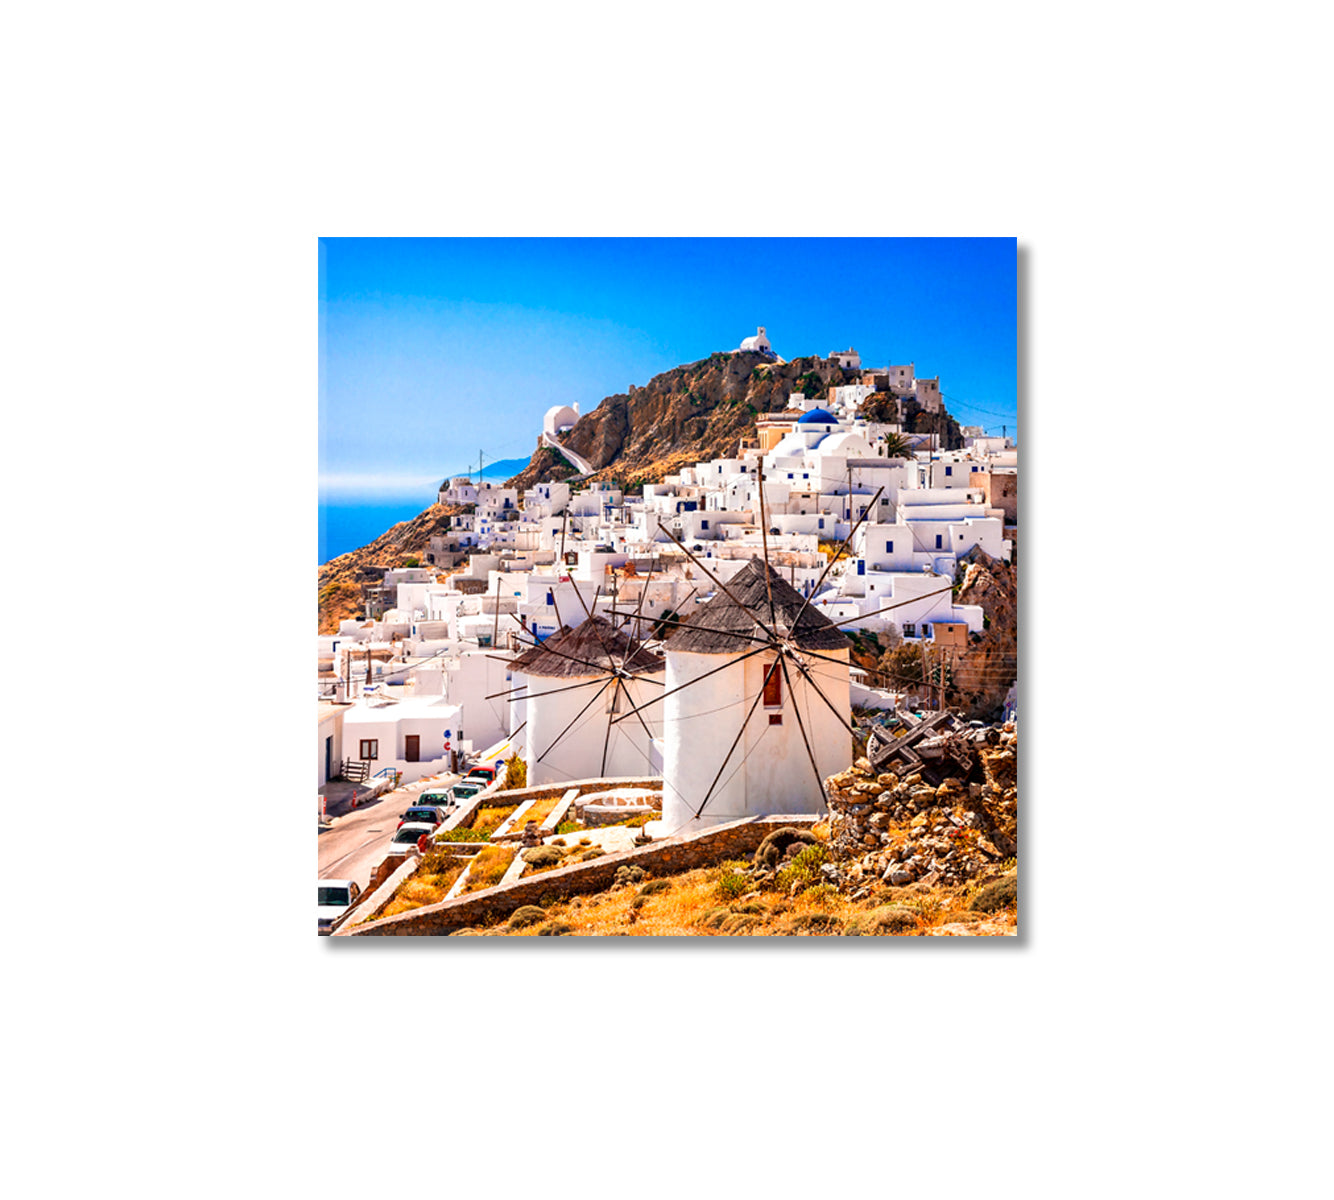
{"points": [[433, 349]]}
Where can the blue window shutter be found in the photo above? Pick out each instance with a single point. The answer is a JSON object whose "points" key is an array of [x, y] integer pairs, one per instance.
{"points": [[861, 566], [937, 541]]}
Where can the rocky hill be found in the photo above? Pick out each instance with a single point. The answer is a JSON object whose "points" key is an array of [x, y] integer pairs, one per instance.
{"points": [[341, 578], [696, 412], [983, 673]]}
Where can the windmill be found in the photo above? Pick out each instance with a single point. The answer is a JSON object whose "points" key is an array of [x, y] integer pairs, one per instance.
{"points": [[756, 650], [572, 687], [759, 652]]}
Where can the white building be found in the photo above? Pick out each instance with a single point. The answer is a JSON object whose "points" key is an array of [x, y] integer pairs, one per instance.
{"points": [[733, 743], [405, 735], [759, 342], [559, 419]]}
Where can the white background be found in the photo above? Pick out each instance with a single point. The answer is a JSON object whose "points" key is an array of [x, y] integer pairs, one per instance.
{"points": [[176, 1028]]}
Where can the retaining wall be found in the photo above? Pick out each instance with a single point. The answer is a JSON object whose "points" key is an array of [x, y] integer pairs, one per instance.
{"points": [[737, 839]]}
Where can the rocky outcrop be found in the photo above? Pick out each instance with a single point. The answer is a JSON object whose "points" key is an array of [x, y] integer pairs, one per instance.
{"points": [[981, 675], [904, 831], [699, 411]]}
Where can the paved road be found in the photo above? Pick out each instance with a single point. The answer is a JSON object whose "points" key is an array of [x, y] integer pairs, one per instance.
{"points": [[353, 844]]}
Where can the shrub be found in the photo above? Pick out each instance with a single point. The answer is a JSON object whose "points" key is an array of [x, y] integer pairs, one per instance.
{"points": [[732, 884], [568, 827], [770, 851], [630, 873], [555, 929], [1000, 894], [654, 886], [893, 919], [463, 835], [516, 772], [639, 901], [810, 923], [528, 915], [588, 855], [737, 923], [803, 869], [542, 856], [714, 917], [821, 893], [751, 907]]}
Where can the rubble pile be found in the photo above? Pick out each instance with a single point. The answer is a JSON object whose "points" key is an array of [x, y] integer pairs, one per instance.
{"points": [[902, 829]]}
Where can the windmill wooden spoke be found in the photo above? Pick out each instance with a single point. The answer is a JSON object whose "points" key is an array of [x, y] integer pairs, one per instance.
{"points": [[810, 678], [731, 750], [598, 668], [897, 604], [597, 631], [725, 589], [764, 534], [640, 717], [538, 695], [762, 641], [796, 708], [572, 724], [639, 608], [838, 554], [606, 741], [690, 683]]}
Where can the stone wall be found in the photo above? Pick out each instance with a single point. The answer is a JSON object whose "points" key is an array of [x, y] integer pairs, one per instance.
{"points": [[737, 839]]}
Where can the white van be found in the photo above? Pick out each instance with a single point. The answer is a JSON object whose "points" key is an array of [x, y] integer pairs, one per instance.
{"points": [[337, 896]]}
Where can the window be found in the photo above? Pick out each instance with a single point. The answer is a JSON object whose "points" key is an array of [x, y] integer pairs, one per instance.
{"points": [[949, 470], [703, 524], [937, 541], [775, 718], [821, 522], [861, 566], [773, 687], [910, 631], [370, 748], [889, 547]]}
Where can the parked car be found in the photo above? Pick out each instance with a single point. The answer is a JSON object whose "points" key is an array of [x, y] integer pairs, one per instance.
{"points": [[466, 790], [407, 836], [440, 797], [337, 896], [419, 814], [486, 774]]}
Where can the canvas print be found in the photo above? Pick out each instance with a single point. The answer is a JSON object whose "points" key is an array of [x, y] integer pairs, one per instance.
{"points": [[643, 612]]}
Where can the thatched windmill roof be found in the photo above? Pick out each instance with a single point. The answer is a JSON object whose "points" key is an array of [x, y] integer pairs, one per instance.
{"points": [[600, 649], [711, 629]]}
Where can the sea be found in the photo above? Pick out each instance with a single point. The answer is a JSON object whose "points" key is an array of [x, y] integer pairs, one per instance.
{"points": [[348, 524]]}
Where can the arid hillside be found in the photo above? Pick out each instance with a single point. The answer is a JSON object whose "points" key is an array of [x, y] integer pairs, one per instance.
{"points": [[341, 578]]}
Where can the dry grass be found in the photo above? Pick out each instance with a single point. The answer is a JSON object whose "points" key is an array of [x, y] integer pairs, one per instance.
{"points": [[492, 817], [488, 865], [688, 905], [540, 811], [429, 884]]}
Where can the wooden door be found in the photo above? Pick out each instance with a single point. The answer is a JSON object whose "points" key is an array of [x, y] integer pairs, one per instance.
{"points": [[412, 746]]}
